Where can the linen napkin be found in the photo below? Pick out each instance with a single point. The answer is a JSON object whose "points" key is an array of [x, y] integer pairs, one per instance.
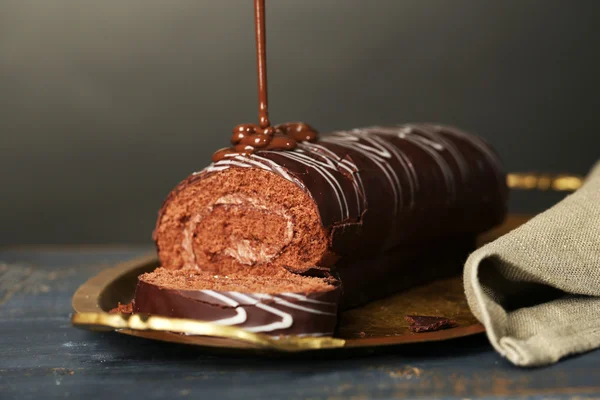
{"points": [[537, 288]]}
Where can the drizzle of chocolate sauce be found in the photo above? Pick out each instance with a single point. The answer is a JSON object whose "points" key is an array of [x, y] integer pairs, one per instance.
{"points": [[248, 138]]}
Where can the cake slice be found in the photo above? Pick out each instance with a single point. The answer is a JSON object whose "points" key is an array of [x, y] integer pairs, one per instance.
{"points": [[290, 305]]}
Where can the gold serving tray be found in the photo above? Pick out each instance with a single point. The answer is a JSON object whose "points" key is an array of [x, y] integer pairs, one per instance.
{"points": [[380, 323]]}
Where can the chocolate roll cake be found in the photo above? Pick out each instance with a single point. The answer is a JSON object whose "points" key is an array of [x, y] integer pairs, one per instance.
{"points": [[351, 194], [254, 240]]}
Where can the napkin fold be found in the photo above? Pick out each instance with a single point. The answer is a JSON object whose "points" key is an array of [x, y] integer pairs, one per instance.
{"points": [[537, 288]]}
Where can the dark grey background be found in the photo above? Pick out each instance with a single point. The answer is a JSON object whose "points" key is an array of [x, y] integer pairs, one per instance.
{"points": [[106, 105]]}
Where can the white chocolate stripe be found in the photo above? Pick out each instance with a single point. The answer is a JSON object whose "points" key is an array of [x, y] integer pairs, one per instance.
{"points": [[306, 299], [447, 174], [254, 299], [387, 149], [212, 168], [477, 142], [243, 163], [337, 162], [278, 169], [321, 168], [360, 189], [413, 178], [222, 297], [291, 305], [419, 135], [410, 172], [322, 151], [341, 138], [250, 161], [425, 144], [240, 316], [457, 156], [286, 319]]}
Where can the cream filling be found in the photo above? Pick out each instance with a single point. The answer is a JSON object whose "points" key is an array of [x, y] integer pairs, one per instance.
{"points": [[242, 250]]}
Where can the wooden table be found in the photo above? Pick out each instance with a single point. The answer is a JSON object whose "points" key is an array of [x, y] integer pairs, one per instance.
{"points": [[43, 356]]}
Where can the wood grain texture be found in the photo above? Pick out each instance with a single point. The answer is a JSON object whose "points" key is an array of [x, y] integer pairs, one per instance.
{"points": [[43, 356]]}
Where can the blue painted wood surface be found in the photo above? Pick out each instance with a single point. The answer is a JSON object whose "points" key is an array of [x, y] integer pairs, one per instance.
{"points": [[43, 356]]}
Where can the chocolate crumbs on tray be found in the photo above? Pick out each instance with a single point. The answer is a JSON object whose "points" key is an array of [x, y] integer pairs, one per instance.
{"points": [[423, 323]]}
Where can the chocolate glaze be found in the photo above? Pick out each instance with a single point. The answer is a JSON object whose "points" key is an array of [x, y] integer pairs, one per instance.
{"points": [[379, 187], [368, 278], [313, 314], [248, 138]]}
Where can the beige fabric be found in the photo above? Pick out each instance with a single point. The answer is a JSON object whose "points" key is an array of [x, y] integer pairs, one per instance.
{"points": [[537, 289]]}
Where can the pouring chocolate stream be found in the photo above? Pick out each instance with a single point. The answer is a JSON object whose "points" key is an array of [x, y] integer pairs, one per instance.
{"points": [[248, 138]]}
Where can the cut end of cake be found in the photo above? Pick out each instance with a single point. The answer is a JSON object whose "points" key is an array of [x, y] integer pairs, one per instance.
{"points": [[232, 245], [240, 221]]}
